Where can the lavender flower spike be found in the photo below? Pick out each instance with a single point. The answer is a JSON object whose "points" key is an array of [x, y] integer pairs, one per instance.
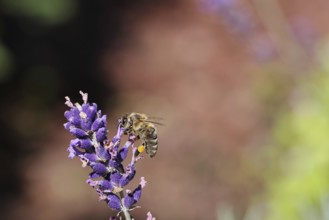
{"points": [[108, 177]]}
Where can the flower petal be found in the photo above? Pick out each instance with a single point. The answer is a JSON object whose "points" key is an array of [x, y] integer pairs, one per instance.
{"points": [[101, 134], [149, 216], [137, 193], [128, 201], [99, 168], [86, 143], [115, 178], [114, 202], [79, 133], [99, 123]]}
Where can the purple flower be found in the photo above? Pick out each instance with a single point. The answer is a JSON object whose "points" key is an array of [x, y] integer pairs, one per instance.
{"points": [[131, 198], [90, 143], [114, 202]]}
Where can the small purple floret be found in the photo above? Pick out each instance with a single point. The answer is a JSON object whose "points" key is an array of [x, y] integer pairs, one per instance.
{"points": [[114, 202]]}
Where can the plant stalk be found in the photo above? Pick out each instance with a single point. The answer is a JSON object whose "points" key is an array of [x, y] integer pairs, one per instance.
{"points": [[125, 211]]}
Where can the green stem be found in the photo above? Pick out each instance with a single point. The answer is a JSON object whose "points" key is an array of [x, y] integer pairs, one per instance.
{"points": [[125, 211]]}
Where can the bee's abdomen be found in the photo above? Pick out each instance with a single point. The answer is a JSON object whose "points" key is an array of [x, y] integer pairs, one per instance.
{"points": [[151, 141]]}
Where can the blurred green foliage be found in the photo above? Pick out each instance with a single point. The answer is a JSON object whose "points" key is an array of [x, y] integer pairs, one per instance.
{"points": [[48, 12], [298, 177], [5, 62]]}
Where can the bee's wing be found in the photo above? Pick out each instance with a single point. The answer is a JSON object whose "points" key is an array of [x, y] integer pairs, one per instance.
{"points": [[155, 120]]}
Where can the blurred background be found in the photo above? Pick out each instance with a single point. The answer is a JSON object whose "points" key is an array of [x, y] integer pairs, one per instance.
{"points": [[243, 86]]}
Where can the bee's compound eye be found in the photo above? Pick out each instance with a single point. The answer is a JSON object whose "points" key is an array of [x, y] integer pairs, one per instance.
{"points": [[124, 120]]}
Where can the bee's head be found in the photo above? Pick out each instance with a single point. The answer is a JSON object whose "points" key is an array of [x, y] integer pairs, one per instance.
{"points": [[124, 121]]}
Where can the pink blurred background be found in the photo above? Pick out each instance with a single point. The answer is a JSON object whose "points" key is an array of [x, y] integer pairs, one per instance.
{"points": [[218, 91]]}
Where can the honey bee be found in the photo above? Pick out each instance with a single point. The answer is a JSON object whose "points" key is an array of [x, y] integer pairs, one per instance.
{"points": [[143, 128]]}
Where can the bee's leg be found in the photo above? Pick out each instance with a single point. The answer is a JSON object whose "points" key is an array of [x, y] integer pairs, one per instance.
{"points": [[126, 131]]}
